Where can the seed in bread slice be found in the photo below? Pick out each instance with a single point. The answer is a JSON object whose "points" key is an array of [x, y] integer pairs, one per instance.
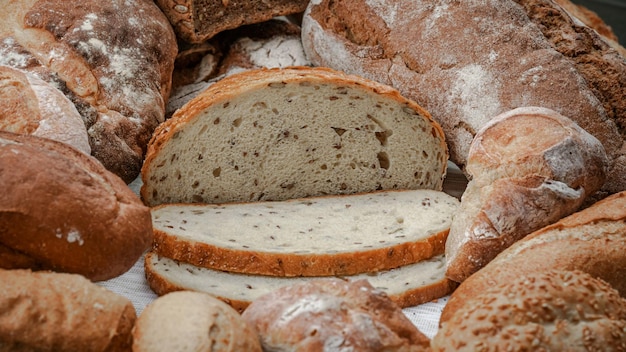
{"points": [[276, 134], [315, 236], [408, 285]]}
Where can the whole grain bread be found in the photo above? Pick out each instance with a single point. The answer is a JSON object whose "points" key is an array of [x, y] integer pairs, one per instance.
{"points": [[45, 311], [529, 167], [196, 21], [591, 240], [332, 315], [192, 321], [62, 210], [29, 105], [315, 236], [408, 285], [112, 59], [276, 134], [522, 53], [539, 311]]}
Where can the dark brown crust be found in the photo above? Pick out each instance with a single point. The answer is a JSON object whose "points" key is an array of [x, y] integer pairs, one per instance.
{"points": [[66, 212]]}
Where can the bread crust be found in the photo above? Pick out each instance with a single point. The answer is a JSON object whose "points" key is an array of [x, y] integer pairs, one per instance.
{"points": [[44, 311], [65, 212], [591, 240]]}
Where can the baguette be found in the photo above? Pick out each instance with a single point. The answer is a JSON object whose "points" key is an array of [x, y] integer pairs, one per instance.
{"points": [[591, 240], [277, 134], [44, 311], [408, 285], [315, 236]]}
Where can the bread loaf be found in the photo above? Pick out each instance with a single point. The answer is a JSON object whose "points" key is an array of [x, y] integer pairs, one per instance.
{"points": [[408, 285], [196, 21], [112, 59], [522, 53], [192, 321], [276, 134], [62, 210], [316, 236], [29, 105], [591, 240], [539, 311], [44, 311], [332, 315], [529, 167]]}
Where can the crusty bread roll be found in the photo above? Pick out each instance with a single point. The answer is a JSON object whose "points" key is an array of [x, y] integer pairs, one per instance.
{"points": [[522, 53], [276, 134], [332, 315], [29, 105], [529, 167], [591, 240], [112, 59], [62, 210], [540, 311], [192, 321], [45, 311], [196, 21]]}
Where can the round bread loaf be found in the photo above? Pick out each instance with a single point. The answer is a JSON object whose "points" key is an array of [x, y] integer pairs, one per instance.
{"points": [[46, 311], [552, 311], [62, 210], [332, 315], [192, 321]]}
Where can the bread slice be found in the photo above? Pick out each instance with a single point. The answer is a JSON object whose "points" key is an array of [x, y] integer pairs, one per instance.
{"points": [[319, 236], [408, 285], [276, 134]]}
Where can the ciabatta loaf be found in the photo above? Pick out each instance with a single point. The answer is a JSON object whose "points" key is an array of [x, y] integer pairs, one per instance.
{"points": [[192, 321], [44, 311], [591, 240], [408, 285], [469, 61], [540, 311], [529, 167], [316, 236], [332, 315], [112, 59], [276, 134], [62, 210]]}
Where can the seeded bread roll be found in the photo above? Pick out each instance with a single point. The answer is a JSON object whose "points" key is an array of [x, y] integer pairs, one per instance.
{"points": [[332, 315], [195, 322], [44, 311], [522, 53], [408, 285], [540, 311], [62, 210], [276, 134], [29, 105], [529, 168], [591, 240], [196, 21]]}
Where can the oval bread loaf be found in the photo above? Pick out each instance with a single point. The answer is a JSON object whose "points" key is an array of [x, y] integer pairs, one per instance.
{"points": [[62, 210], [276, 134]]}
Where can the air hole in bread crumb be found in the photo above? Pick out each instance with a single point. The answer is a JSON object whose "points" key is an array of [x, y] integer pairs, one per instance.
{"points": [[383, 137], [383, 160], [324, 167], [260, 104], [197, 198], [424, 154], [216, 121], [195, 184], [339, 131], [237, 122], [217, 172]]}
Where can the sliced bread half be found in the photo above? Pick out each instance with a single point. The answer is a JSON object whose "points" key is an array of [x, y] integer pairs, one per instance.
{"points": [[277, 134], [408, 285], [316, 236]]}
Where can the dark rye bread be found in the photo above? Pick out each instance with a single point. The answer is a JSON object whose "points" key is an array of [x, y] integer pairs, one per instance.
{"points": [[314, 236], [276, 134], [112, 59], [196, 21], [522, 53]]}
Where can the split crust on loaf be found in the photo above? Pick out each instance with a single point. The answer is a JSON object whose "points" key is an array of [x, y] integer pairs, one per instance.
{"points": [[408, 286], [276, 134]]}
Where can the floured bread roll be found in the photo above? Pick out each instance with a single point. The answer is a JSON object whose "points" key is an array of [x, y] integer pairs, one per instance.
{"points": [[332, 315], [530, 167], [29, 105], [112, 59]]}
